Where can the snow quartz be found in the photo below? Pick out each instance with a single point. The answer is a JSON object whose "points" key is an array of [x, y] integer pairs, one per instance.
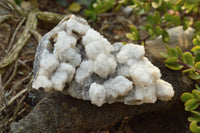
{"points": [[75, 55]]}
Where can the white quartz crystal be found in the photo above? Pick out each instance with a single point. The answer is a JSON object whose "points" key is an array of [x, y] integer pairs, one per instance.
{"points": [[97, 94], [93, 69], [164, 90], [104, 65], [130, 51], [84, 71], [118, 86]]}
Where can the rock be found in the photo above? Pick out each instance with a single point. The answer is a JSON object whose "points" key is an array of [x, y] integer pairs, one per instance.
{"points": [[73, 54]]}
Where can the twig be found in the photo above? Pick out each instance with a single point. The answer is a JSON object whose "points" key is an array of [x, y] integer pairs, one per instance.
{"points": [[14, 34], [19, 113], [24, 64], [12, 55], [1, 90], [4, 18], [4, 5], [15, 7], [188, 66], [18, 83], [11, 77], [36, 35], [14, 98], [49, 17]]}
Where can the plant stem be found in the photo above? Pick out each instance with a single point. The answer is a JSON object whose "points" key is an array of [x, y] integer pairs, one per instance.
{"points": [[188, 66]]}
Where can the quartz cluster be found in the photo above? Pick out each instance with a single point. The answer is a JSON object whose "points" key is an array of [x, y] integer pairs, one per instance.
{"points": [[76, 58]]}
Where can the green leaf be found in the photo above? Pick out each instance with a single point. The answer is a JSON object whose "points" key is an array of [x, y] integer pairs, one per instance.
{"points": [[149, 28], [171, 60], [195, 42], [156, 18], [197, 65], [194, 118], [186, 23], [197, 25], [191, 104], [158, 30], [91, 14], [197, 57], [194, 127], [186, 96], [132, 36], [189, 70], [197, 87], [174, 66], [172, 52], [196, 49], [180, 53], [176, 20], [196, 113], [191, 2], [164, 55], [189, 59], [194, 75], [165, 36], [156, 3], [196, 94], [74, 7], [168, 17]]}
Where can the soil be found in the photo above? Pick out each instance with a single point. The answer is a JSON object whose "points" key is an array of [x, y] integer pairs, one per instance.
{"points": [[113, 25]]}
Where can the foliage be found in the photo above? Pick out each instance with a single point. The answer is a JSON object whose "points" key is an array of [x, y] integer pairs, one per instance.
{"points": [[100, 6], [192, 102], [189, 62]]}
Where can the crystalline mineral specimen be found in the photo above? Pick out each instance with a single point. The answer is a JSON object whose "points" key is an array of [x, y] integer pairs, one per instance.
{"points": [[76, 57]]}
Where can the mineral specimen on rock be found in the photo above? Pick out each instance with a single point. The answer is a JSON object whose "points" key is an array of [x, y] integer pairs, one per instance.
{"points": [[75, 55]]}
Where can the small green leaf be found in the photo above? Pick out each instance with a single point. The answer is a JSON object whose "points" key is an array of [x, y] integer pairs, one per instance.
{"points": [[196, 94], [174, 66], [74, 7], [194, 127], [132, 36], [156, 18], [172, 52], [171, 60], [165, 36], [176, 20], [189, 59], [195, 42], [186, 96], [158, 30], [194, 118], [197, 57], [197, 25], [168, 17], [194, 75], [197, 65], [156, 3], [180, 53], [186, 23], [196, 49], [191, 2], [189, 70], [164, 55], [191, 104], [197, 87], [196, 113]]}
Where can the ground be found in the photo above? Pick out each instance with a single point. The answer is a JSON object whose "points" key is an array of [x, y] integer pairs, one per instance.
{"points": [[14, 102]]}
